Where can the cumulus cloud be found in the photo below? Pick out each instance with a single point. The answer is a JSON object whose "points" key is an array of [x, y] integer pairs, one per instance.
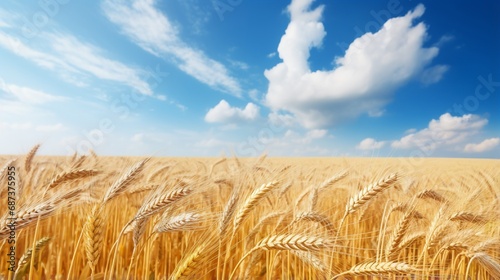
{"points": [[152, 30], [363, 81], [486, 145], [370, 144], [447, 130], [224, 113]]}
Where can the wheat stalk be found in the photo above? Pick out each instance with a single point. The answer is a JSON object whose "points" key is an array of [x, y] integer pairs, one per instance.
{"points": [[311, 259], [487, 262]]}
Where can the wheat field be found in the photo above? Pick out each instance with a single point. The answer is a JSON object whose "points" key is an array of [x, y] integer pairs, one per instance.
{"points": [[93, 217]]}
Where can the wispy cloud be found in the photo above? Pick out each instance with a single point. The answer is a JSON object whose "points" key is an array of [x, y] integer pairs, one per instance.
{"points": [[149, 28], [363, 81], [433, 74], [71, 57], [28, 95]]}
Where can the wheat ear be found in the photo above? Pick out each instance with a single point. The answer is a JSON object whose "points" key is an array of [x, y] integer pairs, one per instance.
{"points": [[374, 268], [125, 180], [138, 229], [228, 212], [159, 201], [316, 217], [187, 266], [6, 165], [332, 180], [432, 194], [251, 202], [25, 216], [93, 237], [182, 222], [294, 242], [29, 158], [369, 193], [468, 217], [25, 261], [70, 176], [297, 242], [398, 233], [263, 221], [78, 161]]}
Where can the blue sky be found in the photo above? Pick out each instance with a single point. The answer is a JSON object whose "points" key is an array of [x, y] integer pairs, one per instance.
{"points": [[288, 78]]}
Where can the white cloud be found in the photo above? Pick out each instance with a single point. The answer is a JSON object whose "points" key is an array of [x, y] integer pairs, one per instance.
{"points": [[448, 130], [443, 40], [433, 74], [50, 128], [312, 135], [211, 143], [29, 95], [254, 94], [224, 113], [89, 59], [370, 144], [316, 133], [363, 80], [294, 137], [281, 119], [486, 145], [411, 130], [138, 137], [4, 24], [149, 28], [15, 126], [71, 57], [239, 64]]}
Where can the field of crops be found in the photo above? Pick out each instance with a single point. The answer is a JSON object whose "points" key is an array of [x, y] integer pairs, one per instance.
{"points": [[92, 217]]}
